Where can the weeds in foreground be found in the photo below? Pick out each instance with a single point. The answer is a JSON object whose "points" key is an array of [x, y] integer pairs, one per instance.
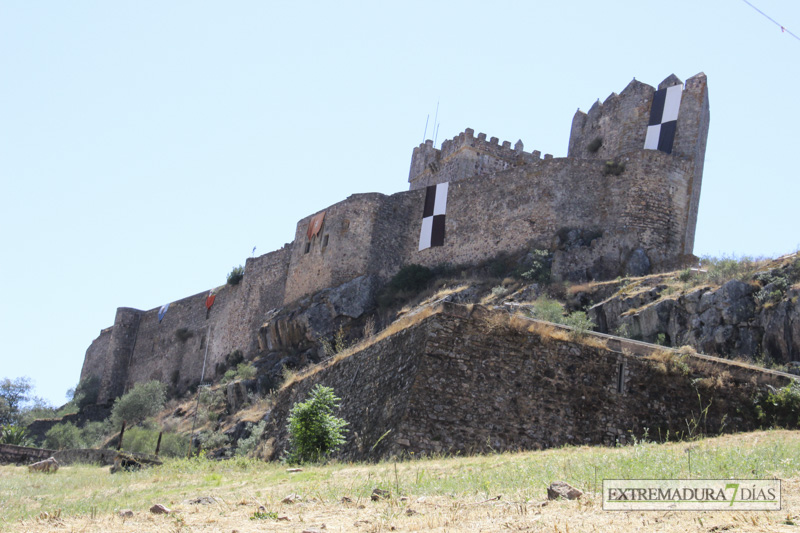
{"points": [[82, 490]]}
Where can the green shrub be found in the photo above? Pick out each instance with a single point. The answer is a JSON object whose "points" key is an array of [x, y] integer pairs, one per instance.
{"points": [[409, 281], [501, 265], [613, 168], [539, 269], [86, 392], [578, 321], [231, 360], [236, 275], [16, 435], [337, 345], [93, 433], [623, 330], [775, 284], [547, 309], [211, 440], [500, 291], [242, 371], [720, 270], [314, 432], [411, 278], [248, 445], [143, 440], [781, 407], [142, 401], [213, 398], [63, 436]]}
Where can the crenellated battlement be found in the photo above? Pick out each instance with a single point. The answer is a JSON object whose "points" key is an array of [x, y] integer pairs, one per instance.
{"points": [[464, 156]]}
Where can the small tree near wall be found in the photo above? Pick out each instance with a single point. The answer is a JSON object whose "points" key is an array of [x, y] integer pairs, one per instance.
{"points": [[314, 432]]}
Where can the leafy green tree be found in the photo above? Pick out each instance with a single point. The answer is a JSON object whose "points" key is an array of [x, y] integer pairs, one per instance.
{"points": [[13, 395], [85, 392], [314, 432], [142, 401], [63, 436]]}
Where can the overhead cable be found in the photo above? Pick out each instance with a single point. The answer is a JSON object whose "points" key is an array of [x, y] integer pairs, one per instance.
{"points": [[781, 26]]}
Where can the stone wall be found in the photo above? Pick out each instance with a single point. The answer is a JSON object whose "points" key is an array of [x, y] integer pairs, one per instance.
{"points": [[339, 252], [22, 455], [501, 200], [467, 380], [465, 156], [374, 385], [644, 207]]}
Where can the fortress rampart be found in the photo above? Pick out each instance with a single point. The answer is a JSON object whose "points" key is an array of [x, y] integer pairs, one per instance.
{"points": [[609, 208]]}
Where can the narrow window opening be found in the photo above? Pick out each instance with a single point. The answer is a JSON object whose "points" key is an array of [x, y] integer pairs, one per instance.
{"points": [[308, 247], [620, 378], [325, 241]]}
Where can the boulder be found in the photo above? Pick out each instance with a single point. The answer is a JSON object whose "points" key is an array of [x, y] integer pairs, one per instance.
{"points": [[561, 489], [47, 466], [159, 509]]}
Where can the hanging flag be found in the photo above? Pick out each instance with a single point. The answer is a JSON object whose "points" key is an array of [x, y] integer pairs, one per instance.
{"points": [[315, 224], [162, 312], [210, 299], [433, 216], [663, 119]]}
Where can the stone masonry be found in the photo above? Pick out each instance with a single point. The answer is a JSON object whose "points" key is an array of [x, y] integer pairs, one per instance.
{"points": [[501, 200], [467, 380]]}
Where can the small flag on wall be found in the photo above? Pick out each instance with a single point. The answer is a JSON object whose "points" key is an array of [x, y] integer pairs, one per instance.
{"points": [[210, 299], [663, 119], [315, 225], [162, 312], [433, 216]]}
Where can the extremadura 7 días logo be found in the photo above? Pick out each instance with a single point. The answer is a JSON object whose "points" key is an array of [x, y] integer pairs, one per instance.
{"points": [[692, 494]]}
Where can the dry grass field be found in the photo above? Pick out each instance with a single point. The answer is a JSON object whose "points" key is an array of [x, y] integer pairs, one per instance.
{"points": [[502, 492]]}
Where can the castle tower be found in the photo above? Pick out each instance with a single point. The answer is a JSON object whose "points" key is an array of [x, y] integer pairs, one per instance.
{"points": [[673, 119], [120, 350]]}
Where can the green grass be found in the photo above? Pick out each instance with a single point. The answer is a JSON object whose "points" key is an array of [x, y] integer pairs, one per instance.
{"points": [[82, 489]]}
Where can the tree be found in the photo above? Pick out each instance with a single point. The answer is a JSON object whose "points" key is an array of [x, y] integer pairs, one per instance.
{"points": [[63, 436], [86, 392], [142, 401], [314, 432], [14, 394]]}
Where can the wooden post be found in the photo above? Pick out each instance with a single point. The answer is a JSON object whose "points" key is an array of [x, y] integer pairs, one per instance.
{"points": [[158, 445], [121, 433]]}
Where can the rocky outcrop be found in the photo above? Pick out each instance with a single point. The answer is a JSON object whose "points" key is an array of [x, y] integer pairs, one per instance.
{"points": [[737, 319], [317, 316]]}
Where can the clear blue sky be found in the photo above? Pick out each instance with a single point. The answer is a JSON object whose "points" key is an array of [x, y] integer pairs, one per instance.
{"points": [[146, 147]]}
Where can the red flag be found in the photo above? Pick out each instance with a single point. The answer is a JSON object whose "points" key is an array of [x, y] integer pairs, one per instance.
{"points": [[315, 224], [210, 300]]}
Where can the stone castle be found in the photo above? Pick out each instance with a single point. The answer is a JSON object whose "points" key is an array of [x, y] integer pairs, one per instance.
{"points": [[623, 201]]}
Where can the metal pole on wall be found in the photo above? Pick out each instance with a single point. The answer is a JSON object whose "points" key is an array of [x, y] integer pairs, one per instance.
{"points": [[197, 404]]}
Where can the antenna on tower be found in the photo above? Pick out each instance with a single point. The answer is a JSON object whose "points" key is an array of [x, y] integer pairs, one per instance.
{"points": [[435, 124]]}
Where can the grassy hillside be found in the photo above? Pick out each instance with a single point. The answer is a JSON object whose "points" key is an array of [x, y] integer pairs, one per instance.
{"points": [[490, 493]]}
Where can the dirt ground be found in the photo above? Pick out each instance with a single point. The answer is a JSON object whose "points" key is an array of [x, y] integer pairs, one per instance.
{"points": [[439, 513]]}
